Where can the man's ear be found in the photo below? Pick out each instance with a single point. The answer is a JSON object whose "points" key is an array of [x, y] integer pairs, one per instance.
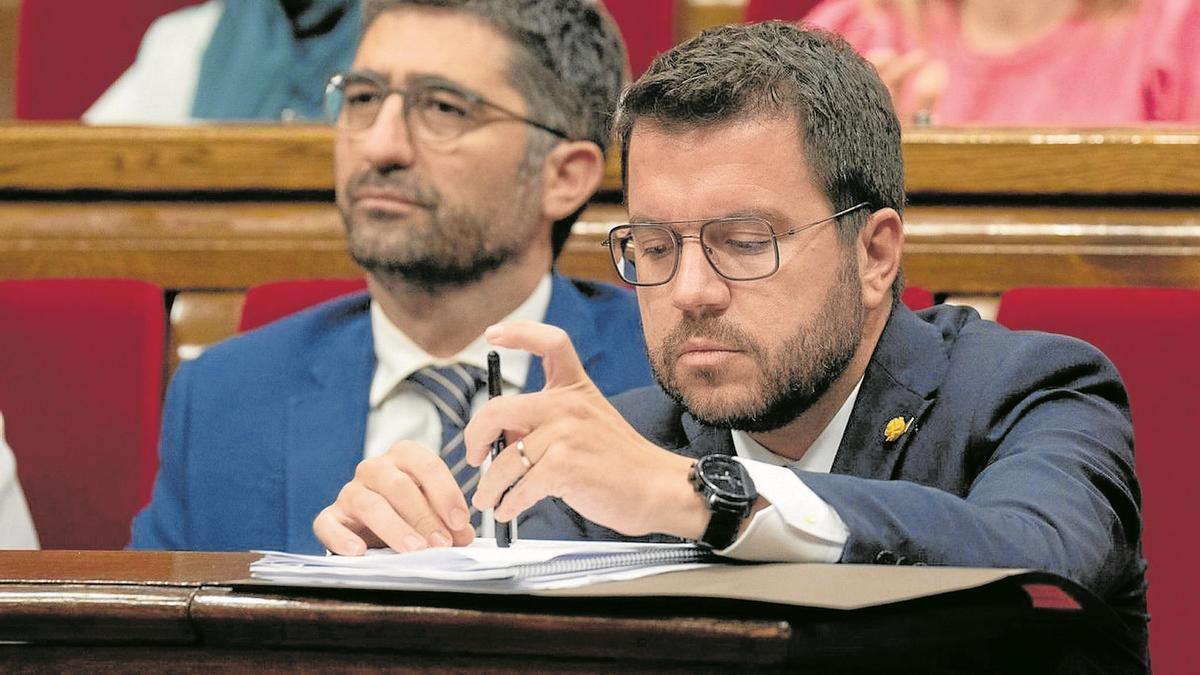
{"points": [[881, 243], [571, 175]]}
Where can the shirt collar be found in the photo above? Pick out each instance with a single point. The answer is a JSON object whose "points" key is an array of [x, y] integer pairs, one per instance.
{"points": [[397, 356], [819, 456]]}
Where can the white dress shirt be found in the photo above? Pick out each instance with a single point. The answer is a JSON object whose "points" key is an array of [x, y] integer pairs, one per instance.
{"points": [[401, 411], [16, 525], [798, 526]]}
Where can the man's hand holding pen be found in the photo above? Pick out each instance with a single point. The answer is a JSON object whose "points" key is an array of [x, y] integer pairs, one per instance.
{"points": [[567, 441]]}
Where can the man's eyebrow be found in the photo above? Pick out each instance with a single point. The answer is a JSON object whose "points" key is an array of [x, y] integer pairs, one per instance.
{"points": [[430, 80], [770, 215], [418, 79], [367, 72]]}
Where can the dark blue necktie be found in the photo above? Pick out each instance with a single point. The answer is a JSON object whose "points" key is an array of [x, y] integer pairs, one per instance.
{"points": [[451, 389]]}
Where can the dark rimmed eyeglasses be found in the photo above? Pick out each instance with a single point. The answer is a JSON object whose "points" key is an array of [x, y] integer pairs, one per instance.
{"points": [[738, 248], [437, 110]]}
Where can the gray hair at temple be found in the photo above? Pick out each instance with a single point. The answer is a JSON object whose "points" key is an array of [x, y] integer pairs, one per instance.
{"points": [[848, 129], [568, 62]]}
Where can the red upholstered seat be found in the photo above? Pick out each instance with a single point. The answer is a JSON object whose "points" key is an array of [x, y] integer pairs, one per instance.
{"points": [[1152, 335], [81, 365], [915, 297], [275, 300], [69, 52], [786, 10], [648, 27]]}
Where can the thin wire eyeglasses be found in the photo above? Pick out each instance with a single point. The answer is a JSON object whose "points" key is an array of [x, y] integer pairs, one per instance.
{"points": [[443, 110], [741, 248]]}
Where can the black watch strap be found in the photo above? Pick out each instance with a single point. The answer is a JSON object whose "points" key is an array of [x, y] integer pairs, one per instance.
{"points": [[722, 528]]}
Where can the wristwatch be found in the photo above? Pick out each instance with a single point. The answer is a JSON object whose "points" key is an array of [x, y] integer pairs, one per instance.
{"points": [[728, 493]]}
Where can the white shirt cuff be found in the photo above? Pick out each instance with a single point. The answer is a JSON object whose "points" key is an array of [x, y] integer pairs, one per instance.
{"points": [[798, 526]]}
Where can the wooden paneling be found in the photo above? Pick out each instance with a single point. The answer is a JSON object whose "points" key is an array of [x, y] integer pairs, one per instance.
{"points": [[1012, 161], [8, 56], [229, 247], [68, 156], [57, 158], [693, 16], [199, 319], [178, 245], [987, 250]]}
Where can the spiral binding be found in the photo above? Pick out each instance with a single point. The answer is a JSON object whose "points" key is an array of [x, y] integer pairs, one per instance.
{"points": [[588, 562]]}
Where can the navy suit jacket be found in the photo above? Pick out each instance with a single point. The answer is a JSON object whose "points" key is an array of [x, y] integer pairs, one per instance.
{"points": [[1020, 455], [262, 431]]}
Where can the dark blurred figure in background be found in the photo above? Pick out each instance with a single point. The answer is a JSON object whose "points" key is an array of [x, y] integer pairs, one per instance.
{"points": [[1029, 62], [234, 60]]}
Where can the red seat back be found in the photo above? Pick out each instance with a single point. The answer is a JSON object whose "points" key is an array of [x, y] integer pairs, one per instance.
{"points": [[1152, 336], [81, 365], [267, 302], [915, 297], [648, 27], [786, 10], [69, 52]]}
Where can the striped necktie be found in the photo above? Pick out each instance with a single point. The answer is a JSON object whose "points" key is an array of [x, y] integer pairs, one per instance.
{"points": [[450, 389]]}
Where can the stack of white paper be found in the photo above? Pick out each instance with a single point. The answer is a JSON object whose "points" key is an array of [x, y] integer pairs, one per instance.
{"points": [[483, 567]]}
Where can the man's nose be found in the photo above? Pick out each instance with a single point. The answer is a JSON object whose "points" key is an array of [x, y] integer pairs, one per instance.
{"points": [[388, 141], [697, 288]]}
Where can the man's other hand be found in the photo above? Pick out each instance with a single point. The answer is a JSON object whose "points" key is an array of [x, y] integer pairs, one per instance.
{"points": [[406, 499]]}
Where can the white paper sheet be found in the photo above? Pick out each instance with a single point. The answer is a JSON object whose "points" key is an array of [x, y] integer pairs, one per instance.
{"points": [[482, 566]]}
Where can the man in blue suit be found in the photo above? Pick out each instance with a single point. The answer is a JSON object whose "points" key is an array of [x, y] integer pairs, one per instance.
{"points": [[804, 413], [469, 137]]}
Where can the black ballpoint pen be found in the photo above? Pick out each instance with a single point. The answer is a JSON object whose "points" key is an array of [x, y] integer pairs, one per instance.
{"points": [[503, 530]]}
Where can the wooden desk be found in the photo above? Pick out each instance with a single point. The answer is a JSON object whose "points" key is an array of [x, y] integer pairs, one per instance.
{"points": [[106, 611]]}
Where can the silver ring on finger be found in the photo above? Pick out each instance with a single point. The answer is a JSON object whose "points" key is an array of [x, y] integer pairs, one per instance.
{"points": [[524, 458]]}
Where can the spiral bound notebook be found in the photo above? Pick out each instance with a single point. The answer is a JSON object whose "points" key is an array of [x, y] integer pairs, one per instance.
{"points": [[526, 566]]}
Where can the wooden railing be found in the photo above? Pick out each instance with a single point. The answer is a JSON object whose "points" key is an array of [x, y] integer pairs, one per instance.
{"points": [[208, 211]]}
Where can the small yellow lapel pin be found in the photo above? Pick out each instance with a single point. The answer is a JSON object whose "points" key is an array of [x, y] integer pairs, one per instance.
{"points": [[895, 428]]}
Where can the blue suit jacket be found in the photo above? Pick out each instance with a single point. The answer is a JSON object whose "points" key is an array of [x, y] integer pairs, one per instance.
{"points": [[1020, 455], [262, 431]]}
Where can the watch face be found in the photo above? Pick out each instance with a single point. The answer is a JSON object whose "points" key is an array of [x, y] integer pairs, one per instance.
{"points": [[725, 476]]}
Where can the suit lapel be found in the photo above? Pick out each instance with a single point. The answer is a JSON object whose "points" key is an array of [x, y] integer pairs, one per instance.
{"points": [[570, 311], [703, 440], [326, 427], [900, 383]]}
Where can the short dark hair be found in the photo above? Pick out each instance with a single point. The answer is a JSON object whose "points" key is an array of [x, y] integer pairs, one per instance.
{"points": [[848, 129], [568, 63]]}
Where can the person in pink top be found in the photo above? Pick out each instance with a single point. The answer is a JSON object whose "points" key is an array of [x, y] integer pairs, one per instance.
{"points": [[1029, 62]]}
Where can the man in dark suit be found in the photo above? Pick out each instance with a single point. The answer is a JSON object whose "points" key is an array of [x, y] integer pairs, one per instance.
{"points": [[469, 137], [804, 413]]}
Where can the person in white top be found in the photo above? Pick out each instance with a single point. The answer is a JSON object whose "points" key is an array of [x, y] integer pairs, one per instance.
{"points": [[16, 525], [233, 60], [160, 86]]}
